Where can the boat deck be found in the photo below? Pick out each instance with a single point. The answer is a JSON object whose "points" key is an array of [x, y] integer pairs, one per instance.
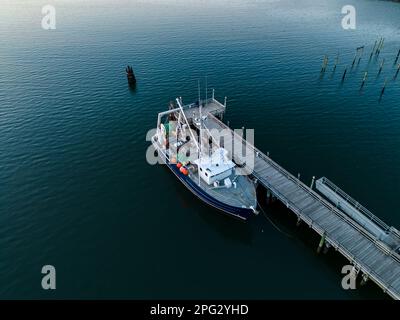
{"points": [[244, 195]]}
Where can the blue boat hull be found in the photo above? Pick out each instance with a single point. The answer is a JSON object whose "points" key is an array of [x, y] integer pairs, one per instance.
{"points": [[237, 212]]}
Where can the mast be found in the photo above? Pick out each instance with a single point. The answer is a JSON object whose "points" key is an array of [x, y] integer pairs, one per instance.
{"points": [[187, 122], [201, 121]]}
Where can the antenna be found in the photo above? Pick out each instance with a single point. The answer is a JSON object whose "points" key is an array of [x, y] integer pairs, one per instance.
{"points": [[206, 89]]}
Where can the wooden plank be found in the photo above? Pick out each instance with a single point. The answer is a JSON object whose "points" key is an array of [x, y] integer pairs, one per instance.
{"points": [[321, 213]]}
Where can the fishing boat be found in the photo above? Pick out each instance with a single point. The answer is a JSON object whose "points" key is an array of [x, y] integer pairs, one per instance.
{"points": [[200, 161]]}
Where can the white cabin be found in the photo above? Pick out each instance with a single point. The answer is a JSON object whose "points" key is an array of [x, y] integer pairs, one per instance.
{"points": [[216, 167]]}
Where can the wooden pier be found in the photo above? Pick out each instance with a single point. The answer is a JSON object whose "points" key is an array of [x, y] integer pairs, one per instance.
{"points": [[369, 255]]}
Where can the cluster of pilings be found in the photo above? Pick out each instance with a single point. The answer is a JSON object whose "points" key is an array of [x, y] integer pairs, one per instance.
{"points": [[375, 52]]}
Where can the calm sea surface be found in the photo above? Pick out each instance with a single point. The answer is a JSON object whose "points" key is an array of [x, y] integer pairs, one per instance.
{"points": [[76, 191]]}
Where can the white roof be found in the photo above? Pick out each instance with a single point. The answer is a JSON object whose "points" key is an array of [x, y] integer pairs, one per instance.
{"points": [[216, 163]]}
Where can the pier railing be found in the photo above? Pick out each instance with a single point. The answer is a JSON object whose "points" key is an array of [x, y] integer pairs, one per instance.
{"points": [[355, 204]]}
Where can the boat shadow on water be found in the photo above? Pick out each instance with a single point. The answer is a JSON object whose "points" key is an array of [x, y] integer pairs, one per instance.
{"points": [[228, 227]]}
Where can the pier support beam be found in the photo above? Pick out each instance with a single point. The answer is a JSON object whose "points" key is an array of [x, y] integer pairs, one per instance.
{"points": [[269, 197], [312, 182], [326, 247], [321, 243], [298, 222], [364, 279]]}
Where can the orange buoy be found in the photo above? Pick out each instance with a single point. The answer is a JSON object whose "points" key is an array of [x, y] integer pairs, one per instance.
{"points": [[173, 160], [185, 171], [179, 165], [182, 169]]}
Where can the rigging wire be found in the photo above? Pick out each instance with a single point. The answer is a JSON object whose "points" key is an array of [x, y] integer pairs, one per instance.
{"points": [[272, 223]]}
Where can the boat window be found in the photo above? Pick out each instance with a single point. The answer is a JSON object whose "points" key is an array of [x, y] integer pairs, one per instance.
{"points": [[201, 169], [206, 174]]}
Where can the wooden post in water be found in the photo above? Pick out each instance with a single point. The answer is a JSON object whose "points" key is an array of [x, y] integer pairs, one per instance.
{"points": [[380, 46], [397, 72], [380, 68], [364, 79], [321, 243], [377, 48], [326, 247], [269, 196], [397, 57], [336, 62], [344, 74], [354, 60], [373, 50], [312, 182], [324, 63], [383, 89], [130, 76], [362, 51], [298, 222], [364, 280]]}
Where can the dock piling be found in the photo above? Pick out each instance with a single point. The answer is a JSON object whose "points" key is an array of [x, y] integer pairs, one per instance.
{"points": [[362, 51], [397, 57], [383, 90], [373, 50], [298, 222], [344, 74], [326, 247], [354, 60], [336, 62], [364, 279], [324, 64], [397, 72], [380, 68], [364, 79], [130, 76], [312, 182], [321, 243]]}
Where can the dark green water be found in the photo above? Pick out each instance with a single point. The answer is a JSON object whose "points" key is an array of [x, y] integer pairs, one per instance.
{"points": [[76, 191]]}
